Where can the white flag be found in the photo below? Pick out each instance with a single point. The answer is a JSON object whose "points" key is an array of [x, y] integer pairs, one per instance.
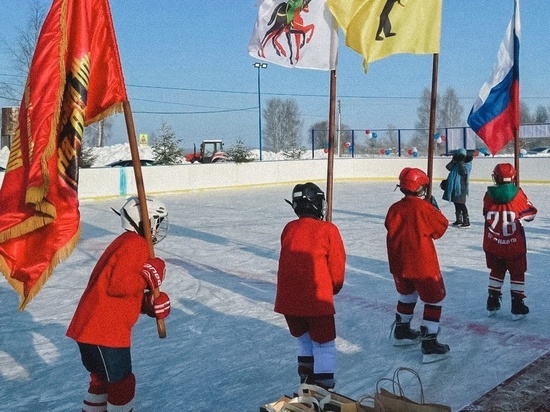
{"points": [[295, 33]]}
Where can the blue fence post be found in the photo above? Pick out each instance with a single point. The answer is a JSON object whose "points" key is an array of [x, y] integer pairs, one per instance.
{"points": [[399, 142], [312, 144]]}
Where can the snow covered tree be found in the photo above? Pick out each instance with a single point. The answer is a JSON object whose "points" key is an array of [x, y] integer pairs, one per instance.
{"points": [[240, 153], [166, 148], [87, 157]]}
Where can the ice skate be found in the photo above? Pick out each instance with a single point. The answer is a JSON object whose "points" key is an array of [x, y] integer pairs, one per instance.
{"points": [[403, 335], [519, 309], [432, 350], [493, 302]]}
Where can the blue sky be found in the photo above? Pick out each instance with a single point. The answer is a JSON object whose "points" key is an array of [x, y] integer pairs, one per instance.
{"points": [[186, 63]]}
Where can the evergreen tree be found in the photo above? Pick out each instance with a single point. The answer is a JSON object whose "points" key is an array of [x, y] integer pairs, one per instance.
{"points": [[240, 153], [166, 148], [87, 157]]}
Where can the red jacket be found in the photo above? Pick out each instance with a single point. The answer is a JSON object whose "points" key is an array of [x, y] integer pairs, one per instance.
{"points": [[412, 225], [311, 268], [111, 303]]}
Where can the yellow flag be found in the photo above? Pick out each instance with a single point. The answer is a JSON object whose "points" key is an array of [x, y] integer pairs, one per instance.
{"points": [[379, 28]]}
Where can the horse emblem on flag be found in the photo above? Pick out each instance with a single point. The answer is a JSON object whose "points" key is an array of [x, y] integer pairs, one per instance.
{"points": [[287, 19]]}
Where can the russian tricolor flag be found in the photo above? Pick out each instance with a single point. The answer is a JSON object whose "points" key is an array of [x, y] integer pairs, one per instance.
{"points": [[495, 114]]}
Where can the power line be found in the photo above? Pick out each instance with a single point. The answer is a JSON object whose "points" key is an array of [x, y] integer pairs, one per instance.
{"points": [[197, 112]]}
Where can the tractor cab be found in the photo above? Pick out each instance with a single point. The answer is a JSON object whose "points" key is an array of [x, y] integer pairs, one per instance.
{"points": [[212, 151]]}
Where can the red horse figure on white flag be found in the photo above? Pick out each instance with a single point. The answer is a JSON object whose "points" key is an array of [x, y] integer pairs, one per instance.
{"points": [[287, 19]]}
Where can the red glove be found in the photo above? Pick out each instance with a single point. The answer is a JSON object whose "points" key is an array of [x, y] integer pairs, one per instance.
{"points": [[154, 271], [147, 305], [155, 308], [162, 305]]}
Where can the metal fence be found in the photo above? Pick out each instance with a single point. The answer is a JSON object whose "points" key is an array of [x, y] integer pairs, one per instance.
{"points": [[411, 142]]}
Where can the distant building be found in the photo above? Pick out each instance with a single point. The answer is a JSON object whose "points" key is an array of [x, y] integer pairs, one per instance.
{"points": [[9, 124]]}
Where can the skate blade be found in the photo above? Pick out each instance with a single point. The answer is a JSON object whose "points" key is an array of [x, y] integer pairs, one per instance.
{"points": [[517, 316], [435, 357], [492, 313], [406, 342]]}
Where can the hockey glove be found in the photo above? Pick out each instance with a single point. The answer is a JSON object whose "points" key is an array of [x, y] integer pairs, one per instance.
{"points": [[154, 271], [162, 305], [147, 304], [155, 308]]}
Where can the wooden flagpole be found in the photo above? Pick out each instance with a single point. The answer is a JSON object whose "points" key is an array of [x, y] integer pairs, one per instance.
{"points": [[141, 196], [331, 130], [431, 131]]}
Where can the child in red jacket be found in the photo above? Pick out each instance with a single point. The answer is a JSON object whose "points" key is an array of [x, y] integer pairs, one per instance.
{"points": [[311, 271], [504, 243], [111, 304], [413, 223]]}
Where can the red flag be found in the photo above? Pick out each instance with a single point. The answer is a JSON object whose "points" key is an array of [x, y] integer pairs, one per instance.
{"points": [[75, 79]]}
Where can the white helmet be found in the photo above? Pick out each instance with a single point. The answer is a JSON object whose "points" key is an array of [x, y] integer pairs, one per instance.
{"points": [[130, 215]]}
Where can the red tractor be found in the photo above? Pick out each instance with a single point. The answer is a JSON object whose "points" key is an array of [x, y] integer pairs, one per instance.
{"points": [[211, 151]]}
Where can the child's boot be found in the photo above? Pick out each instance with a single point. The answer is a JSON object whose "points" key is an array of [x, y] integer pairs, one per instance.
{"points": [[465, 220], [459, 220]]}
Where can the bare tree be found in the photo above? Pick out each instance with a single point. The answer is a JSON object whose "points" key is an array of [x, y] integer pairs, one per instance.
{"points": [[282, 130], [541, 114], [423, 109], [450, 112], [524, 113], [320, 131], [21, 49]]}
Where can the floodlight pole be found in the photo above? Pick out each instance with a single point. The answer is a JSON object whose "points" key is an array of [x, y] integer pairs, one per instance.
{"points": [[259, 66]]}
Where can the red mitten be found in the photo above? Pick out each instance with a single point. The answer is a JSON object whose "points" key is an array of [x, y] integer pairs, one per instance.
{"points": [[147, 305], [162, 305], [154, 271]]}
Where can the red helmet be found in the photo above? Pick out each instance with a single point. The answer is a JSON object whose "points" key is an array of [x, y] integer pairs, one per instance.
{"points": [[504, 173], [413, 180]]}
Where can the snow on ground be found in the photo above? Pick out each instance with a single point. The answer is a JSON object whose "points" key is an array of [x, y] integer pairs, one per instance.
{"points": [[227, 350]]}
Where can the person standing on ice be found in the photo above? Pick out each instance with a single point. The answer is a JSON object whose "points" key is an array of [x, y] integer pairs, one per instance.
{"points": [[119, 289], [504, 243], [412, 224], [311, 271], [458, 182]]}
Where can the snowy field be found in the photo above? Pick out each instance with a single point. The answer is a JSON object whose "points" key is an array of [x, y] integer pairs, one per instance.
{"points": [[227, 350]]}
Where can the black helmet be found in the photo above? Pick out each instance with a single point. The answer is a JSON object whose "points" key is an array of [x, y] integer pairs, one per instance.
{"points": [[308, 200]]}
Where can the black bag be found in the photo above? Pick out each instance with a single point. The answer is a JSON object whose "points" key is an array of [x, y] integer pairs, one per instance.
{"points": [[443, 184]]}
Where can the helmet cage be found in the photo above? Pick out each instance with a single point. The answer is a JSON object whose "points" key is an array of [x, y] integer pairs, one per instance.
{"points": [[130, 215]]}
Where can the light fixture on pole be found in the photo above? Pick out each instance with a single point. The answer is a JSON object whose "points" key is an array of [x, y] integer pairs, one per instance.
{"points": [[259, 66]]}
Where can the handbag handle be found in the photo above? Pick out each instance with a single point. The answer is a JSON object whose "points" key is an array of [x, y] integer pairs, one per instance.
{"points": [[311, 390], [300, 403], [398, 383]]}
